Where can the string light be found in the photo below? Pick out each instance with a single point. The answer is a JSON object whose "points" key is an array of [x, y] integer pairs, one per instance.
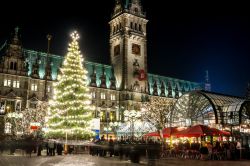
{"points": [[157, 111], [70, 110]]}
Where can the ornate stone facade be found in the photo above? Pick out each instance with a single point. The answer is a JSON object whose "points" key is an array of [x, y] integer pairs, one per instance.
{"points": [[25, 74]]}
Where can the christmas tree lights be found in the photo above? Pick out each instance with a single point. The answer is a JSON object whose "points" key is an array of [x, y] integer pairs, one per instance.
{"points": [[69, 111]]}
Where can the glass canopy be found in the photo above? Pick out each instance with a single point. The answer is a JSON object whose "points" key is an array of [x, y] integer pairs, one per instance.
{"points": [[208, 108]]}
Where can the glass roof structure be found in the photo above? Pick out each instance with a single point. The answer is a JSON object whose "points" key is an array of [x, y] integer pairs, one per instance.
{"points": [[208, 108]]}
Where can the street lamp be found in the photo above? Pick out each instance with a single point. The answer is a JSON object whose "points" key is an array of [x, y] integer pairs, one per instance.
{"points": [[131, 116], [2, 113], [115, 126]]}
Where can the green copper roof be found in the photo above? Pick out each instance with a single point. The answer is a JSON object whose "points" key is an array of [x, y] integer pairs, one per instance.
{"points": [[32, 56], [57, 60], [182, 85]]}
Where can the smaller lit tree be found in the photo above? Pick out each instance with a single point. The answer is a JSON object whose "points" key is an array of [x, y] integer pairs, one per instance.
{"points": [[33, 116], [158, 112]]}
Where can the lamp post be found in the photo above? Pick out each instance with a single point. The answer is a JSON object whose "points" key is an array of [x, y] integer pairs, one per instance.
{"points": [[231, 124], [2, 113], [115, 125], [131, 116]]}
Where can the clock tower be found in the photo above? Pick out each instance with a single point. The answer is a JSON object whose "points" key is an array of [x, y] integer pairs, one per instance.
{"points": [[128, 46]]}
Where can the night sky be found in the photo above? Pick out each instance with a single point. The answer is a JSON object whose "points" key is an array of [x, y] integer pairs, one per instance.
{"points": [[179, 45]]}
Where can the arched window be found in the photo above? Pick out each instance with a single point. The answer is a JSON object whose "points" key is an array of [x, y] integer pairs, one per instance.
{"points": [[11, 65], [136, 10], [131, 25], [135, 26], [15, 66]]}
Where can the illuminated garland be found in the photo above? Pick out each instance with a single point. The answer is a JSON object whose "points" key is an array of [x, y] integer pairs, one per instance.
{"points": [[70, 111]]}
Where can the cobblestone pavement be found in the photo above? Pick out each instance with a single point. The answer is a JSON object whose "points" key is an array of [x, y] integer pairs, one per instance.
{"points": [[87, 160]]}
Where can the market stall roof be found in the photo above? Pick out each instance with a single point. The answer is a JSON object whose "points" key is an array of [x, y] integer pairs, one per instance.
{"points": [[167, 132], [200, 130]]}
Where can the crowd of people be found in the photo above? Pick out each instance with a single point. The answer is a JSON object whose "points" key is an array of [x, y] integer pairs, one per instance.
{"points": [[31, 145], [209, 151], [128, 148], [133, 148]]}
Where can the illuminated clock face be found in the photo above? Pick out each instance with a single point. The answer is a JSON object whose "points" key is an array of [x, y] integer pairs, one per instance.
{"points": [[136, 49]]}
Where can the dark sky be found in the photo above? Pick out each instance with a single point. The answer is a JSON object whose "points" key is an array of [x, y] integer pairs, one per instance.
{"points": [[180, 45]]}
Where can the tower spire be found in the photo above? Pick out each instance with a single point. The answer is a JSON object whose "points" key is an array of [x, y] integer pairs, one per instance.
{"points": [[16, 32], [137, 2], [207, 82], [15, 39], [47, 67]]}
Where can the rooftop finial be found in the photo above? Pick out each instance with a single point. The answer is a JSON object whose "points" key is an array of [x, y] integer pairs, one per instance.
{"points": [[15, 39], [16, 30], [207, 82], [136, 2], [207, 77]]}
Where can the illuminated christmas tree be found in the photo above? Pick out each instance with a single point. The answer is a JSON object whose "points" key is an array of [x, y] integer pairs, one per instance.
{"points": [[69, 112]]}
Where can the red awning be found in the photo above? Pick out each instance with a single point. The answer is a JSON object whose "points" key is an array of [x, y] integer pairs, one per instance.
{"points": [[167, 132], [152, 134], [201, 130], [225, 133], [194, 131]]}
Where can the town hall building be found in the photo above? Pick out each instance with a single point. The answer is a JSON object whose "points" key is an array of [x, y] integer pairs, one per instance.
{"points": [[26, 76]]}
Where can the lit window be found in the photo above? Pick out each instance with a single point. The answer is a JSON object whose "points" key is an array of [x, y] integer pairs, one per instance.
{"points": [[93, 95], [7, 82], [112, 97], [34, 87], [103, 96], [48, 89], [7, 128], [16, 84]]}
